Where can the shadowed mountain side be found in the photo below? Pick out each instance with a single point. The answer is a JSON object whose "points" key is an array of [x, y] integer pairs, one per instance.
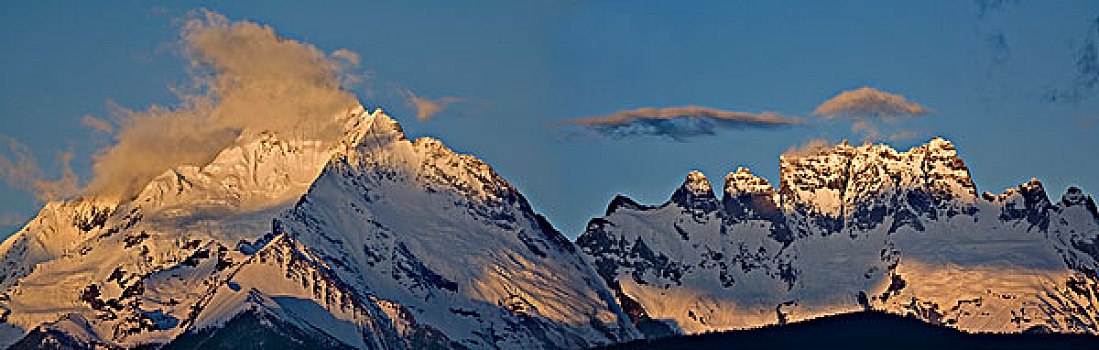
{"points": [[864, 330], [248, 330], [254, 331]]}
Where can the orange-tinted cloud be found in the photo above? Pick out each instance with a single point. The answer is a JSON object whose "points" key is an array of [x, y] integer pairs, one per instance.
{"points": [[870, 110], [808, 148], [97, 124], [19, 169], [427, 108], [867, 102], [246, 79]]}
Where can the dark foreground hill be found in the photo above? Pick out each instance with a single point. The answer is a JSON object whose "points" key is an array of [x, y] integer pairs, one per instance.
{"points": [[864, 330]]}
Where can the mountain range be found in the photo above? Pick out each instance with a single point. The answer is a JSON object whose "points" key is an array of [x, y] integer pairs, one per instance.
{"points": [[380, 242]]}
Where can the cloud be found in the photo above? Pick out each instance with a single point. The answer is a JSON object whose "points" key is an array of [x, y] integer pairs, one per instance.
{"points": [[869, 130], [245, 79], [1087, 70], [989, 7], [867, 102], [20, 169], [808, 148], [348, 56], [870, 110], [97, 124], [427, 108], [678, 123]]}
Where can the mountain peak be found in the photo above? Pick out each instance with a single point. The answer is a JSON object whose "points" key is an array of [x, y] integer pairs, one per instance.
{"points": [[362, 126], [940, 142], [695, 193], [696, 182], [1032, 190], [621, 201], [1076, 197], [743, 182], [1033, 184], [350, 238], [838, 178], [856, 228], [261, 171]]}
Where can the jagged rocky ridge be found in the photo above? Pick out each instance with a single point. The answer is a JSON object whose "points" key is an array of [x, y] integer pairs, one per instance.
{"points": [[853, 228], [374, 241]]}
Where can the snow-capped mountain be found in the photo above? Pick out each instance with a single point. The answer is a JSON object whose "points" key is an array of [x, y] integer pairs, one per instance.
{"points": [[853, 228], [90, 261], [374, 241]]}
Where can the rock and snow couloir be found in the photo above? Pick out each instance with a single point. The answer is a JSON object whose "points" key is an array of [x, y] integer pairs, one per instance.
{"points": [[853, 228]]}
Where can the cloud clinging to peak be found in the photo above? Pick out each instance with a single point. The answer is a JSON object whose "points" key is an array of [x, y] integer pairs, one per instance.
{"points": [[245, 78], [678, 123], [808, 148]]}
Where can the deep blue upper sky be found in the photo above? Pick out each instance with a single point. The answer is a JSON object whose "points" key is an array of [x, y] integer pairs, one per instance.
{"points": [[524, 67]]}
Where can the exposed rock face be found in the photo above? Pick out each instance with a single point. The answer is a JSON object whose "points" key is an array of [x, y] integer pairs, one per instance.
{"points": [[855, 228], [696, 195], [858, 187], [748, 197]]}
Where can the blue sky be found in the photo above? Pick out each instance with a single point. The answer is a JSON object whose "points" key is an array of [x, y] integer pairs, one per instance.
{"points": [[522, 68]]}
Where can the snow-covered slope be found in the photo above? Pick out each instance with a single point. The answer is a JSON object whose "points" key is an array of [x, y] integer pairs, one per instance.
{"points": [[58, 227], [373, 241], [853, 228], [443, 236], [83, 250]]}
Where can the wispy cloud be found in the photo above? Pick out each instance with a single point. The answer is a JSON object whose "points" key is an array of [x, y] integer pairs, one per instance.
{"points": [[808, 148], [426, 108], [20, 169], [870, 110], [97, 124], [678, 123], [1086, 79]]}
